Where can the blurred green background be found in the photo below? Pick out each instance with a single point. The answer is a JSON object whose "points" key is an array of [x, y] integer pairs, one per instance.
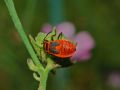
{"points": [[100, 17]]}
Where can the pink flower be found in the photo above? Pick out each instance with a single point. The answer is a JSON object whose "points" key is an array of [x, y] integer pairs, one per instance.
{"points": [[85, 42], [66, 28], [114, 79]]}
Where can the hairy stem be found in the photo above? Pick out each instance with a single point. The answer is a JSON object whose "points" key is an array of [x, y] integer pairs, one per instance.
{"points": [[18, 25]]}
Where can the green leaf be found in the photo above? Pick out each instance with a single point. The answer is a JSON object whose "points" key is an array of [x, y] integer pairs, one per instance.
{"points": [[32, 40], [40, 42], [36, 47], [52, 35], [31, 65], [40, 39], [36, 76]]}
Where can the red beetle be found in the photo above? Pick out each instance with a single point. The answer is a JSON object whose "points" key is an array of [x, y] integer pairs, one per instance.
{"points": [[61, 48]]}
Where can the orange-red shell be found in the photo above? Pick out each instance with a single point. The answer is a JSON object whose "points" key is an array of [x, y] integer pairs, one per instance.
{"points": [[60, 48]]}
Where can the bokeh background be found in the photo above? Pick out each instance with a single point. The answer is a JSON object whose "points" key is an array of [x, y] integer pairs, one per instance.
{"points": [[101, 18]]}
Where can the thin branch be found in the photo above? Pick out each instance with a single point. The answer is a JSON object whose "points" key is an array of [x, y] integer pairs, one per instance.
{"points": [[18, 25]]}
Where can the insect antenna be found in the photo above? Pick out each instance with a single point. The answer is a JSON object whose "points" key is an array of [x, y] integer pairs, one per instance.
{"points": [[46, 36], [51, 32], [60, 36]]}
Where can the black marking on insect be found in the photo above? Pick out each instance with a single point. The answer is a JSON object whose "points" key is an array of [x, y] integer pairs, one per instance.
{"points": [[52, 47]]}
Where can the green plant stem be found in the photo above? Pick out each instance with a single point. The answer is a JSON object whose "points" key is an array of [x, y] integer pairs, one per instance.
{"points": [[18, 25], [43, 80], [43, 72]]}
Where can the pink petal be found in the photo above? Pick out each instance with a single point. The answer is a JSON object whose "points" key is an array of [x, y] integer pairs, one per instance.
{"points": [[85, 40], [81, 56], [67, 28], [114, 79], [85, 43], [46, 28]]}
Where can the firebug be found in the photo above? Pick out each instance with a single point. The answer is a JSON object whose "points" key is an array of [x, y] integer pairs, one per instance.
{"points": [[61, 48]]}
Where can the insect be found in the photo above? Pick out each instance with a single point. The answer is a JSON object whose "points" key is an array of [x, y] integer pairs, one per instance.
{"points": [[61, 48]]}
